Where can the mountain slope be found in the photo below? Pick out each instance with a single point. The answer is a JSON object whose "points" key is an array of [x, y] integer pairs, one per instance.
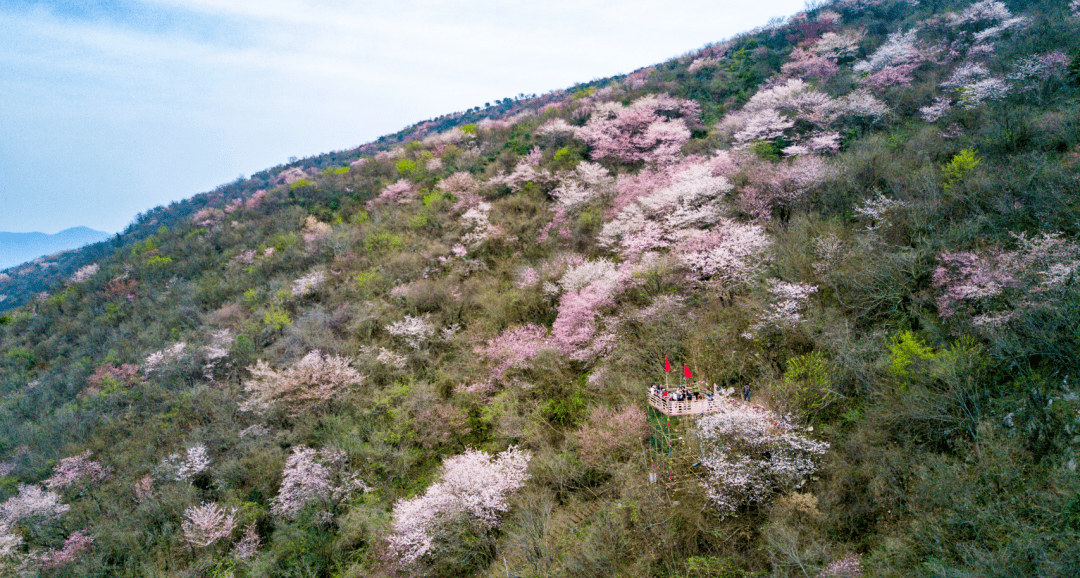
{"points": [[430, 355], [16, 248]]}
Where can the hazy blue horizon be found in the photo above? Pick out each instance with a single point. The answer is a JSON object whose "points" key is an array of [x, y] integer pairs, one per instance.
{"points": [[17, 248]]}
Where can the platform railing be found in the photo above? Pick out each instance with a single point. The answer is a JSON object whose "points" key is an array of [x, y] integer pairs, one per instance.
{"points": [[688, 407]]}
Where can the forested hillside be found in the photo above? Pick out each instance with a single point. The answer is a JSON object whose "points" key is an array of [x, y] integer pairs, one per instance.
{"points": [[429, 356]]}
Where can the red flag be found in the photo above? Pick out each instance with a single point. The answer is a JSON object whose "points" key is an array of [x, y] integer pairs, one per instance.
{"points": [[686, 371], [667, 364]]}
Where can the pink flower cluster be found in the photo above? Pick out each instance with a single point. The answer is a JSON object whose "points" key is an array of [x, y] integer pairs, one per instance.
{"points": [[588, 181], [789, 300], [994, 286], [315, 231], [207, 523], [184, 467], [893, 62], [1037, 68], [645, 131], [314, 478], [414, 331], [310, 382], [850, 566], [656, 206], [528, 170], [158, 359], [731, 254], [777, 109], [804, 63], [77, 469], [207, 217], [513, 348], [782, 185], [982, 11], [838, 45], [589, 287], [937, 110], [463, 187], [878, 209], [474, 484], [751, 453], [84, 273], [400, 192], [31, 502], [248, 545], [308, 283], [75, 544], [255, 200]]}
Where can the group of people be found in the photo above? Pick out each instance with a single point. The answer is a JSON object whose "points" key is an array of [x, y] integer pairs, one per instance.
{"points": [[679, 394], [685, 394]]}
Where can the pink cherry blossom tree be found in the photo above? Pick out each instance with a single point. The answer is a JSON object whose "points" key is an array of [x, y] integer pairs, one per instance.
{"points": [[731, 254], [84, 273], [316, 479], [399, 192], [752, 453], [247, 547], [993, 287], [808, 64], [205, 524], [474, 488], [651, 129], [309, 383], [513, 348], [78, 469], [788, 301], [31, 503], [781, 185], [75, 544], [414, 331], [850, 566], [893, 62], [183, 467], [159, 359]]}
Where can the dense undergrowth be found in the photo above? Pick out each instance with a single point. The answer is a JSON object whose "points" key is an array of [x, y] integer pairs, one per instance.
{"points": [[429, 356]]}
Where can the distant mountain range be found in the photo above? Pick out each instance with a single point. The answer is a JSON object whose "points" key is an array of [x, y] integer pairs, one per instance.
{"points": [[17, 248]]}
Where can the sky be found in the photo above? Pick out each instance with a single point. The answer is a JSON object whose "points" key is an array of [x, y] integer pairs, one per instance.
{"points": [[112, 107]]}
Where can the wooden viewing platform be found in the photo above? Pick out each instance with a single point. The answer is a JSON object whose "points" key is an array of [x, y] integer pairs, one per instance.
{"points": [[692, 407]]}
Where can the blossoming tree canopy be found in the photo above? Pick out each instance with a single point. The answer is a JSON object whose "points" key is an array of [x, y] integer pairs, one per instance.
{"points": [[474, 485], [642, 131], [751, 453], [310, 382]]}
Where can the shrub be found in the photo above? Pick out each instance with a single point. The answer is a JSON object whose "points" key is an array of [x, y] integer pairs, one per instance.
{"points": [[276, 318], [612, 436], [382, 242], [959, 167], [808, 385], [905, 348]]}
